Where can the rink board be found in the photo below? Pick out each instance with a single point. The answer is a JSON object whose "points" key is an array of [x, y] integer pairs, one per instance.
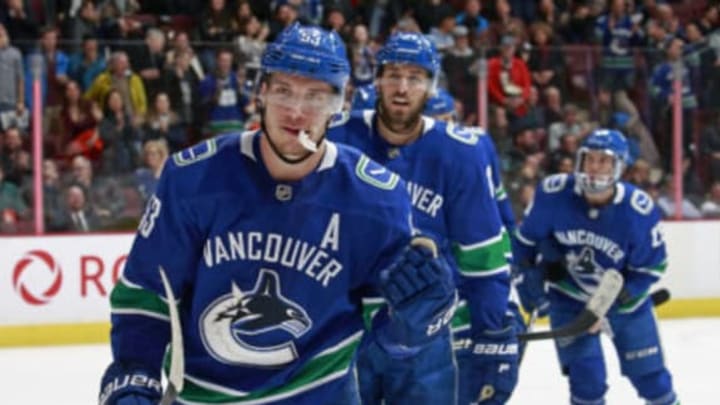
{"points": [[54, 289]]}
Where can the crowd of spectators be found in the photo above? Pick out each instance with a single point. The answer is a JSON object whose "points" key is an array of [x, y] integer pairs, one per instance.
{"points": [[126, 83]]}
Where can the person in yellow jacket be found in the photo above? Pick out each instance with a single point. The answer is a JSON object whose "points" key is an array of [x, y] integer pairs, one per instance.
{"points": [[120, 77]]}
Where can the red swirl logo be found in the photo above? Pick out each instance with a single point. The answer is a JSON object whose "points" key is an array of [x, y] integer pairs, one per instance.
{"points": [[34, 261]]}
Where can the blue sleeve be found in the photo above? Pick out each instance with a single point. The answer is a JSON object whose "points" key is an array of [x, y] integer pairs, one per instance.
{"points": [[647, 258], [536, 225], [659, 84], [503, 202], [62, 64], [167, 237], [480, 242]]}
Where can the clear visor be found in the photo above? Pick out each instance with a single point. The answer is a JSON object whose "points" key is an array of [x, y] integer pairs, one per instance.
{"points": [[597, 182], [413, 82]]}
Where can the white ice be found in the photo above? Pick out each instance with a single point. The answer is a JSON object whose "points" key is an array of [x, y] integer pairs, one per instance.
{"points": [[70, 375]]}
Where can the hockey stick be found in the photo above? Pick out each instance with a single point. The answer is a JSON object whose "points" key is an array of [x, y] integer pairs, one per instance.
{"points": [[528, 329], [177, 359], [595, 309]]}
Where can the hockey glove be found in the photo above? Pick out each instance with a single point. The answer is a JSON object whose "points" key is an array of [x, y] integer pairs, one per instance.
{"points": [[127, 385], [530, 285], [421, 294], [495, 361]]}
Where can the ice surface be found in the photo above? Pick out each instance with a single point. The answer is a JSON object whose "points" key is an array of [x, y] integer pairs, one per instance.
{"points": [[70, 375]]}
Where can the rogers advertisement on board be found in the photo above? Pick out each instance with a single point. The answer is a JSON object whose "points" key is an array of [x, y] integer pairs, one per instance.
{"points": [[59, 279]]}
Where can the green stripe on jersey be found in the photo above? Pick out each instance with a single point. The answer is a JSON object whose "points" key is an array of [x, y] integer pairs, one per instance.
{"points": [[484, 258], [126, 299], [328, 365]]}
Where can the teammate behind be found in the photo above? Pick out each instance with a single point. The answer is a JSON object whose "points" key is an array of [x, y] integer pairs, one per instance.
{"points": [[447, 176], [598, 222], [269, 240]]}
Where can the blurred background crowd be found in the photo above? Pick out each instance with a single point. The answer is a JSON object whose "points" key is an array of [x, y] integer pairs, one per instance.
{"points": [[126, 83]]}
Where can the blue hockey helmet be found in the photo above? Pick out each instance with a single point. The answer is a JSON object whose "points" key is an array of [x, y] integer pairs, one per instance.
{"points": [[308, 51], [611, 142], [364, 98], [440, 104], [410, 48]]}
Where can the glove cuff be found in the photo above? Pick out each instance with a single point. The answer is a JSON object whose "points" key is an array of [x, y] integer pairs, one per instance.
{"points": [[120, 380]]}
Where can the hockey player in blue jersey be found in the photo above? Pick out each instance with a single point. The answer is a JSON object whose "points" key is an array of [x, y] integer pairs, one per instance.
{"points": [[441, 107], [448, 178], [597, 222], [269, 240]]}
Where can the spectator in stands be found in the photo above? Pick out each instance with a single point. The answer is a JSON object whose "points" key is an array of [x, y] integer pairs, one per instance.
{"points": [[427, 13], [55, 69], [84, 23], [118, 25], [334, 20], [579, 25], [661, 88], [546, 62], [656, 40], [441, 34], [617, 33], [164, 123], [87, 65], [571, 124], [78, 130], [52, 196], [710, 148], [525, 149], [285, 14], [639, 174], [125, 81], [12, 92], [14, 159], [553, 105], [460, 65], [79, 216], [503, 23], [120, 135], [12, 206], [508, 84], [710, 208], [221, 97], [214, 29], [665, 199], [155, 152], [149, 62], [103, 195], [361, 56], [471, 19], [709, 20], [182, 85], [566, 149], [21, 27], [181, 43], [250, 44]]}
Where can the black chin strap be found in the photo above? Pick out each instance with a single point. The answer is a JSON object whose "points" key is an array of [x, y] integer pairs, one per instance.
{"points": [[275, 149]]}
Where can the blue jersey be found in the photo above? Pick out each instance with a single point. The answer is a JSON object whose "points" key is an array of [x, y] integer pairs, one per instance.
{"points": [[269, 275], [617, 42], [625, 235], [449, 179], [503, 202]]}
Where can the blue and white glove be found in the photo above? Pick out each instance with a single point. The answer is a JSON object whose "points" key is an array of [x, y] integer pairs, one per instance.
{"points": [[129, 385], [495, 361], [530, 285], [421, 294]]}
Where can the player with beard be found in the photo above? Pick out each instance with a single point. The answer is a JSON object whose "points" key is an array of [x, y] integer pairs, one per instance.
{"points": [[448, 178]]}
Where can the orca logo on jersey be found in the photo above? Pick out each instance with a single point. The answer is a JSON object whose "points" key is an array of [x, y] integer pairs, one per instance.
{"points": [[264, 313], [584, 269]]}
